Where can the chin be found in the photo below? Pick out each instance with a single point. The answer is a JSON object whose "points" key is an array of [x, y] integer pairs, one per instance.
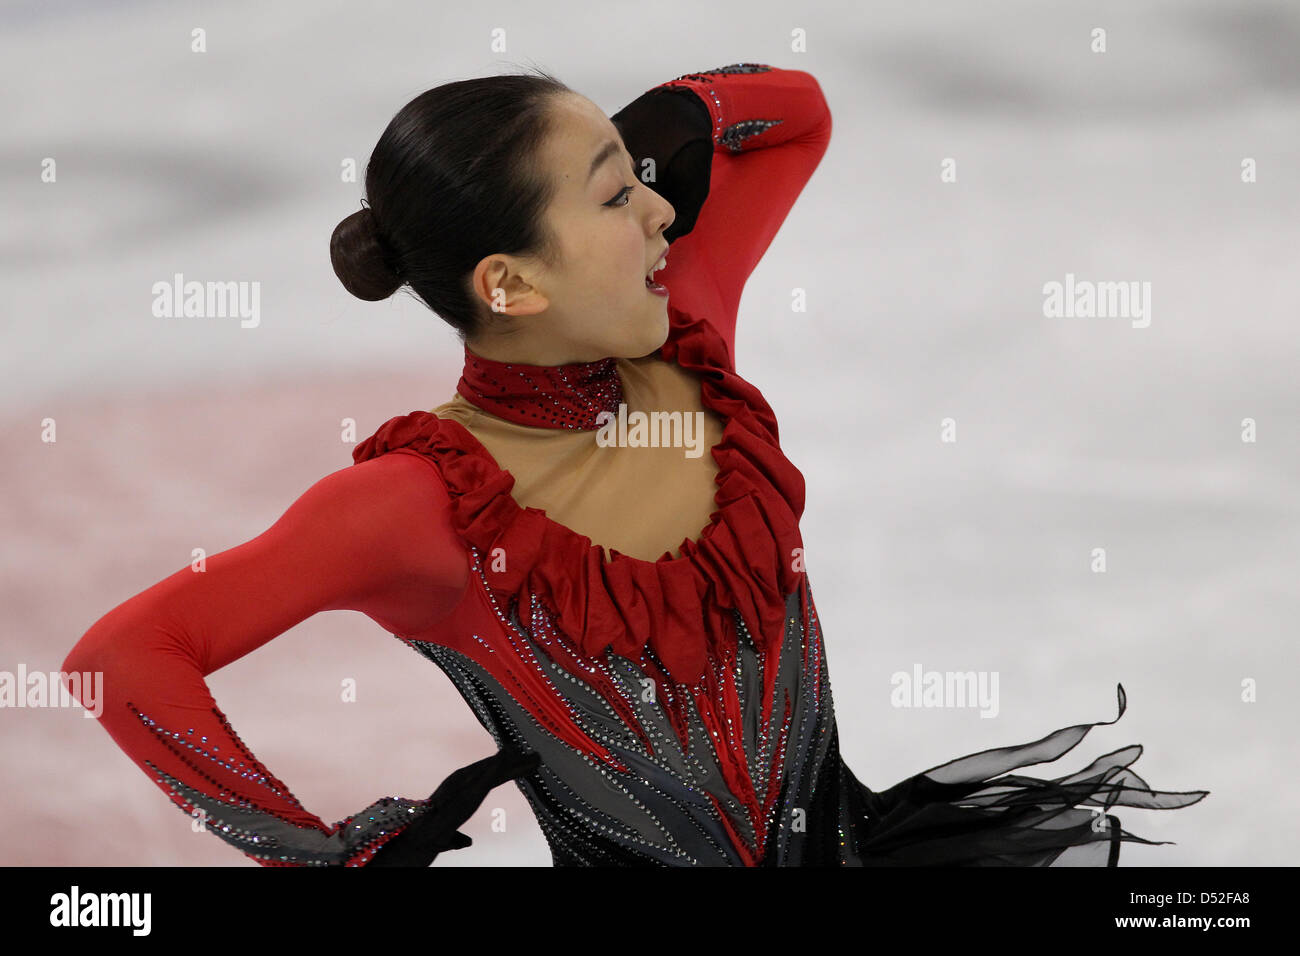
{"points": [[661, 331], [653, 340]]}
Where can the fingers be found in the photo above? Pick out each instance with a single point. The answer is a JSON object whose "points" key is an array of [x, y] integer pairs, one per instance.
{"points": [[513, 764], [457, 841], [453, 803]]}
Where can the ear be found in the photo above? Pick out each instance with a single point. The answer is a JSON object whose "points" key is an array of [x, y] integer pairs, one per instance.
{"points": [[516, 296]]}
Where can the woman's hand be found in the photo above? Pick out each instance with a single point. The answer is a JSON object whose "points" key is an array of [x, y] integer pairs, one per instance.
{"points": [[673, 128], [454, 802]]}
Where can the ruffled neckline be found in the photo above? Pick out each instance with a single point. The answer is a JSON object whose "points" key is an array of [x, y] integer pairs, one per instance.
{"points": [[748, 558]]}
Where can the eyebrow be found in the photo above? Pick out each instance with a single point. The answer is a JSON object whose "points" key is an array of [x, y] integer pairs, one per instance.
{"points": [[610, 148]]}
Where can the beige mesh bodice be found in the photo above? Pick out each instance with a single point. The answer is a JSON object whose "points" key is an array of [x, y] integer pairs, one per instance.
{"points": [[638, 501]]}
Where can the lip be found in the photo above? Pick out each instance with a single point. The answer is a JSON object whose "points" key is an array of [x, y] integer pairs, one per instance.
{"points": [[653, 287], [662, 253]]}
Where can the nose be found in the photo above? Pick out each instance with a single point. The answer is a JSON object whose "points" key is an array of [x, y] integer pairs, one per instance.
{"points": [[661, 214]]}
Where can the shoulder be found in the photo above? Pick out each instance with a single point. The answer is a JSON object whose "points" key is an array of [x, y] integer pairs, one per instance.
{"points": [[401, 492], [392, 515]]}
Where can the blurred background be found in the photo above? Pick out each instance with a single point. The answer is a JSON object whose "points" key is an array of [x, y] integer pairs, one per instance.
{"points": [[925, 302]]}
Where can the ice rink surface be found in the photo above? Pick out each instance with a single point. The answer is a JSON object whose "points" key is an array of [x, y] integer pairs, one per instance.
{"points": [[925, 302]]}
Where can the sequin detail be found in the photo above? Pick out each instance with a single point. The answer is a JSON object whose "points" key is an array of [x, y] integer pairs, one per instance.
{"points": [[256, 830], [733, 136], [545, 396], [711, 774], [722, 70], [743, 768], [679, 607]]}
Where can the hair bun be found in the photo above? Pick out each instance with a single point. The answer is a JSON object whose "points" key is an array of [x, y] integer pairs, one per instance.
{"points": [[360, 259]]}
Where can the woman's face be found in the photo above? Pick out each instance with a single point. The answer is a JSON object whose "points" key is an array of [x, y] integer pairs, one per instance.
{"points": [[593, 302]]}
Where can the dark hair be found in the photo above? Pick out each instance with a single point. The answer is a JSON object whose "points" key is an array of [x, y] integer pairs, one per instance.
{"points": [[453, 178]]}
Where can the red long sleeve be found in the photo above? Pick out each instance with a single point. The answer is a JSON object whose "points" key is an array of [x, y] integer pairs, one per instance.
{"points": [[374, 537], [770, 131]]}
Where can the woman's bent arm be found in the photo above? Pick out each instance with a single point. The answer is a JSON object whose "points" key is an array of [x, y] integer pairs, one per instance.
{"points": [[374, 537], [732, 148]]}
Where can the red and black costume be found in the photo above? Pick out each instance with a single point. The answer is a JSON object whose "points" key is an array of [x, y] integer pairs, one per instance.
{"points": [[733, 757]]}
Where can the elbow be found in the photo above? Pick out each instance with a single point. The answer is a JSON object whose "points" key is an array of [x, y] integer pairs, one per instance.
{"points": [[821, 110], [812, 109], [817, 107], [80, 657], [84, 659], [96, 648]]}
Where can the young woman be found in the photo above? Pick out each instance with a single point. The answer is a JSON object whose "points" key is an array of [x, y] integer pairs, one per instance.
{"points": [[657, 703]]}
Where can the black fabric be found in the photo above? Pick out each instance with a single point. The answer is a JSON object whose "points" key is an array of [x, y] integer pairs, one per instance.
{"points": [[454, 802], [672, 127], [982, 815]]}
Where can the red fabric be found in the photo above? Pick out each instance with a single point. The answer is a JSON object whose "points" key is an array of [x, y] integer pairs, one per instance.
{"points": [[383, 535], [743, 560], [346, 543], [543, 396], [750, 192]]}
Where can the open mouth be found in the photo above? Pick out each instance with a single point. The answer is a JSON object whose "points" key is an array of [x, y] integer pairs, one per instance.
{"points": [[650, 283]]}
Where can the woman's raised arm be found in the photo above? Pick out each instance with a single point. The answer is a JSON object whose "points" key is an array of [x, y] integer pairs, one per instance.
{"points": [[374, 537], [732, 148]]}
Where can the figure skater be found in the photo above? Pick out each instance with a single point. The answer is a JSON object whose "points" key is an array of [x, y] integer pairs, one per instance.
{"points": [[632, 623]]}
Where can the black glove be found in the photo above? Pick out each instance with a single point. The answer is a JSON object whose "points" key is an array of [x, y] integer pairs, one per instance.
{"points": [[673, 127], [454, 802]]}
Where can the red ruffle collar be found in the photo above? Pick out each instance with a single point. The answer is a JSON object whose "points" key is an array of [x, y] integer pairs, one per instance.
{"points": [[748, 558]]}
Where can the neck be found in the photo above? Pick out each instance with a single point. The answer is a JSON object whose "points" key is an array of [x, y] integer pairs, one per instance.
{"points": [[518, 349], [570, 395]]}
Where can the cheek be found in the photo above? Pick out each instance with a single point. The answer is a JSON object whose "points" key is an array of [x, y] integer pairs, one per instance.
{"points": [[612, 253], [626, 250]]}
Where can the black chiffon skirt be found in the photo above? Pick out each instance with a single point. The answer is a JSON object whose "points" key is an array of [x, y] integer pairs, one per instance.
{"points": [[974, 811]]}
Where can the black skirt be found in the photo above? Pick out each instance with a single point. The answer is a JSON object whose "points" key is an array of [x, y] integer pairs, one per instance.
{"points": [[973, 811]]}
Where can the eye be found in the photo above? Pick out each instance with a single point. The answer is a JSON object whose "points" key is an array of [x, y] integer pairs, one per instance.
{"points": [[614, 203]]}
